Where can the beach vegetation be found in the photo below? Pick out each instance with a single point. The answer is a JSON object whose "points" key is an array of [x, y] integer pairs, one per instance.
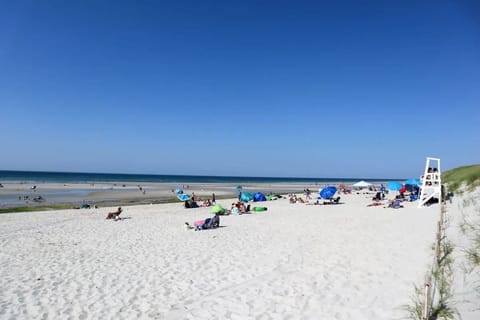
{"points": [[466, 175], [443, 275], [442, 307], [470, 228], [415, 309]]}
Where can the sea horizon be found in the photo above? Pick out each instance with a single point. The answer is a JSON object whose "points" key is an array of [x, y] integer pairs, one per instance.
{"points": [[90, 177]]}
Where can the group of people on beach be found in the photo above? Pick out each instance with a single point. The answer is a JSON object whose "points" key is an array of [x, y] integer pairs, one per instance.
{"points": [[193, 202]]}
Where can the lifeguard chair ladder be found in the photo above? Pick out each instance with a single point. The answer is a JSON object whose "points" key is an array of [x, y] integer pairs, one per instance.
{"points": [[431, 181]]}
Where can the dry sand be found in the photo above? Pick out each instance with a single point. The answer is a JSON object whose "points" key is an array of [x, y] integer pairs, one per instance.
{"points": [[295, 261]]}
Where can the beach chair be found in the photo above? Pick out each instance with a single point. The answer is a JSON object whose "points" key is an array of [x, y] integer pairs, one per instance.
{"points": [[333, 201], [209, 223]]}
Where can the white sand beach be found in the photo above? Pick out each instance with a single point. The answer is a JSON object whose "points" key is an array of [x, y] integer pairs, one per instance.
{"points": [[295, 261]]}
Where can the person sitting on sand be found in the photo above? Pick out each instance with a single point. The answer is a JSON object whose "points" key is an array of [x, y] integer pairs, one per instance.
{"points": [[207, 203], [300, 200], [191, 204], [238, 208], [115, 215], [395, 203], [292, 198], [208, 223], [235, 209]]}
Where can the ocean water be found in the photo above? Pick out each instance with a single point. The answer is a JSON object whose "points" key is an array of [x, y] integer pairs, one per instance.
{"points": [[81, 177]]}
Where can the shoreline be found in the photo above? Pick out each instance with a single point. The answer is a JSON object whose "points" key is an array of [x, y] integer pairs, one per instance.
{"points": [[17, 195], [22, 195]]}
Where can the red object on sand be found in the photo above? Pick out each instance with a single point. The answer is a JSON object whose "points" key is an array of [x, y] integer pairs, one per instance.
{"points": [[404, 188], [198, 223]]}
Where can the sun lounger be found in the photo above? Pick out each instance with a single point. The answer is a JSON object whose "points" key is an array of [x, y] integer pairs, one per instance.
{"points": [[333, 201]]}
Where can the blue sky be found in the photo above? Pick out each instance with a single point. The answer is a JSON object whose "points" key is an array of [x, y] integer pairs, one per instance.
{"points": [[247, 88]]}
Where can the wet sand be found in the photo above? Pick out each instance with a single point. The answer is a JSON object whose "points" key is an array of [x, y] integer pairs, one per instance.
{"points": [[16, 194]]}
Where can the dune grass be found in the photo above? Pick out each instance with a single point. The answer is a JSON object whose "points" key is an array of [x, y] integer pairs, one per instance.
{"points": [[467, 175], [442, 307]]}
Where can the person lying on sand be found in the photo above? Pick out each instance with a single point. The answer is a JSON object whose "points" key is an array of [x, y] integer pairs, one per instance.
{"points": [[115, 215], [374, 204], [208, 223]]}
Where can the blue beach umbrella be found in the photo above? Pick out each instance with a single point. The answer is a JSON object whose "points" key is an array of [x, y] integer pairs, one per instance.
{"points": [[394, 185], [413, 182], [246, 196], [328, 192], [412, 188], [184, 197]]}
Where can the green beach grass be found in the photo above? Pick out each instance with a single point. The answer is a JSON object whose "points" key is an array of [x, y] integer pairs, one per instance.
{"points": [[468, 175]]}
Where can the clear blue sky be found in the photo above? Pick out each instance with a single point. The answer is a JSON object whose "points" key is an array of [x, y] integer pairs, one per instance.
{"points": [[248, 88]]}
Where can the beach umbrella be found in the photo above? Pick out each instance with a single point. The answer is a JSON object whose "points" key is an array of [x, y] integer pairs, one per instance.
{"points": [[413, 182], [258, 196], [394, 185], [184, 197], [217, 209], [178, 191], [362, 184], [328, 192], [246, 196], [412, 188]]}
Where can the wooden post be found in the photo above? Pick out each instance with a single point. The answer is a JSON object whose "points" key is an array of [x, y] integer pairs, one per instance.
{"points": [[437, 247], [441, 218], [427, 300], [444, 214]]}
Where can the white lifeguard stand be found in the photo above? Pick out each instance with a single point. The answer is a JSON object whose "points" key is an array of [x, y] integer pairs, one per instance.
{"points": [[431, 181]]}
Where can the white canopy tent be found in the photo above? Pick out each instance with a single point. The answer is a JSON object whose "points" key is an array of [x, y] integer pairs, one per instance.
{"points": [[362, 184]]}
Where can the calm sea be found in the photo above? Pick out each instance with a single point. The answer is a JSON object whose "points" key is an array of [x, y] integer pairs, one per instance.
{"points": [[79, 177]]}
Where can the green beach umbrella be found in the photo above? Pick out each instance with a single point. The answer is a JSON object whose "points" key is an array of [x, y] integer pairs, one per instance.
{"points": [[217, 209]]}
